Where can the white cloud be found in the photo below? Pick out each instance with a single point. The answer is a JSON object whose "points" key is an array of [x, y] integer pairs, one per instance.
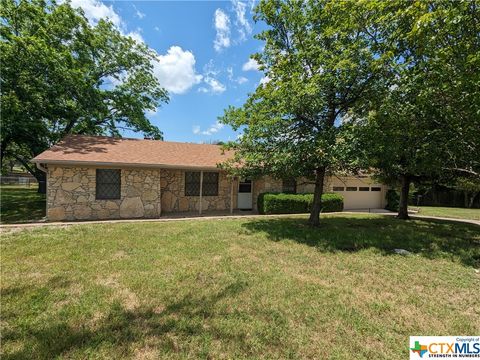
{"points": [[215, 86], [243, 26], [151, 112], [264, 80], [222, 26], [210, 74], [250, 65], [230, 73], [176, 70], [241, 80], [213, 129], [95, 10], [136, 35], [138, 13]]}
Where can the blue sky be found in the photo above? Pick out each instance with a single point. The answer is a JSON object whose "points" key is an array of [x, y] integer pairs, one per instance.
{"points": [[203, 52]]}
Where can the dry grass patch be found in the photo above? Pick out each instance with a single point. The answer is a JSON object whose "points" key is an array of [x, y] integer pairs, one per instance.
{"points": [[264, 288]]}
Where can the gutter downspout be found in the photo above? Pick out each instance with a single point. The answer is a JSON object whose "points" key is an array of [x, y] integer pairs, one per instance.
{"points": [[41, 167], [44, 169]]}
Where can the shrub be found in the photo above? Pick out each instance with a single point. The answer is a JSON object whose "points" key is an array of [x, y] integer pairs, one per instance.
{"points": [[393, 200], [280, 203], [332, 202]]}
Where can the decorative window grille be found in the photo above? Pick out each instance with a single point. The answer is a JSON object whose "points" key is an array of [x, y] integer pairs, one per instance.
{"points": [[108, 184], [192, 183], [209, 186]]}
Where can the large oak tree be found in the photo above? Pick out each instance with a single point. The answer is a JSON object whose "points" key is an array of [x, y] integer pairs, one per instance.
{"points": [[426, 126], [320, 59], [61, 75]]}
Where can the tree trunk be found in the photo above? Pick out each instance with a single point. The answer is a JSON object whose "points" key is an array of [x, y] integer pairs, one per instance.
{"points": [[472, 200], [403, 206], [465, 197], [38, 174], [434, 195], [314, 219]]}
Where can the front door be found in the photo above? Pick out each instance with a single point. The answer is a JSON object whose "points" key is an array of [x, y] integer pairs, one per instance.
{"points": [[245, 194]]}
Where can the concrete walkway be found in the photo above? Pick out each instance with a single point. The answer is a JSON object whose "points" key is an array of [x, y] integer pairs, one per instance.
{"points": [[216, 216]]}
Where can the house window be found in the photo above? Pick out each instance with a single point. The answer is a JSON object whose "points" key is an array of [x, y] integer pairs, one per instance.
{"points": [[338, 188], [362, 188], [289, 186], [108, 184], [245, 186], [209, 186], [192, 183], [375, 189], [351, 188]]}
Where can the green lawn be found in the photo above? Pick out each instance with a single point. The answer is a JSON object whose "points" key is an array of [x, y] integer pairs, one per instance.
{"points": [[21, 204], [237, 288], [459, 213]]}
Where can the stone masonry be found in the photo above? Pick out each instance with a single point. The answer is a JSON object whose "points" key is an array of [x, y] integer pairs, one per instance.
{"points": [[71, 195], [174, 199], [145, 193]]}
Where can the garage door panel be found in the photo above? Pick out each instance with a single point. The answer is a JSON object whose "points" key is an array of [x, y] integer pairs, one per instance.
{"points": [[362, 199]]}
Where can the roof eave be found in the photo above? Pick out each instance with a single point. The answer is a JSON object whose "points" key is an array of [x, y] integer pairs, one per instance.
{"points": [[122, 165]]}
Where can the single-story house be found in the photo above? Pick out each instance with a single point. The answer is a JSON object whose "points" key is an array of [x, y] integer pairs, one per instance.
{"points": [[95, 177]]}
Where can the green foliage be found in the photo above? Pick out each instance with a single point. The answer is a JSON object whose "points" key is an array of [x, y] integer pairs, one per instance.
{"points": [[321, 59], [281, 203], [470, 187], [61, 75], [427, 120], [393, 200]]}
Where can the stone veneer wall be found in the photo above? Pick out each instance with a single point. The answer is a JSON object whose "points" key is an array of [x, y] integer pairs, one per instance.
{"points": [[174, 199], [71, 195]]}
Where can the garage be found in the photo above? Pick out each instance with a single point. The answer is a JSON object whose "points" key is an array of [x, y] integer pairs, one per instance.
{"points": [[359, 193]]}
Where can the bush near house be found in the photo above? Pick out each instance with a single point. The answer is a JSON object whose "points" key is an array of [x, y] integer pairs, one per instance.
{"points": [[281, 203]]}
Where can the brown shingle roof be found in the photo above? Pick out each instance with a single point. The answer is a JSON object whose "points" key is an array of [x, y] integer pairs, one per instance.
{"points": [[101, 150]]}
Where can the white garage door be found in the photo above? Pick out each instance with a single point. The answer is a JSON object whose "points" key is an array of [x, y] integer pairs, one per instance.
{"points": [[360, 197]]}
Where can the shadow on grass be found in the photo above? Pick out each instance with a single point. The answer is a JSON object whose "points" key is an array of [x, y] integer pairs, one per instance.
{"points": [[21, 204], [120, 328], [429, 238]]}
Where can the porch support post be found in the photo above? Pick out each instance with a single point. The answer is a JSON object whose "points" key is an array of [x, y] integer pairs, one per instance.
{"points": [[159, 192], [201, 191], [231, 195]]}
